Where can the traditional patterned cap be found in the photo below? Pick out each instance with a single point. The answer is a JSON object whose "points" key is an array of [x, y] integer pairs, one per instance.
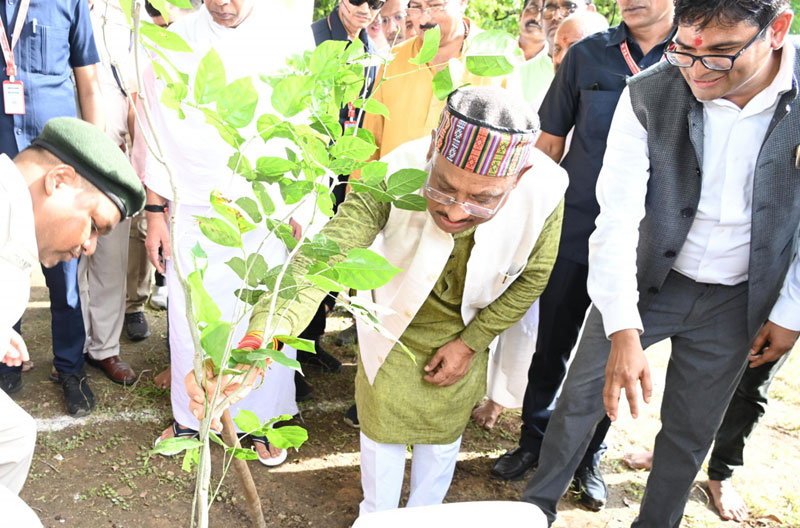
{"points": [[480, 147], [94, 156]]}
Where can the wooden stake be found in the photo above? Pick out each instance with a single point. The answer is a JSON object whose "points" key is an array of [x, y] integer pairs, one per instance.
{"points": [[243, 473]]}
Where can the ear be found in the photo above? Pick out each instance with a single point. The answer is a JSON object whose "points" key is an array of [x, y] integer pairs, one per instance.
{"points": [[780, 28], [429, 155], [60, 175]]}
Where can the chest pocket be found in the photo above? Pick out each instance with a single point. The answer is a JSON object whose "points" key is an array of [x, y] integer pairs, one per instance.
{"points": [[595, 111], [48, 49]]}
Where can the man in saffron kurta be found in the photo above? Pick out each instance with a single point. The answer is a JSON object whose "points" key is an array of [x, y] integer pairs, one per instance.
{"points": [[473, 263]]}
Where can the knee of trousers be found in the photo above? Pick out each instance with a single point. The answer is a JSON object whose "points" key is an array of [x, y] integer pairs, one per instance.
{"points": [[23, 432]]}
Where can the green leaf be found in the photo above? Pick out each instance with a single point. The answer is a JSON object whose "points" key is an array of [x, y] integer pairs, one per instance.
{"points": [[214, 340], [286, 436], [173, 95], [270, 126], [288, 285], [320, 248], [373, 107], [173, 446], [283, 232], [237, 102], [363, 269], [164, 38], [377, 191], [270, 166], [233, 216], [162, 73], [247, 421], [258, 268], [210, 78], [490, 54], [219, 232], [327, 125], [353, 147], [226, 132], [294, 191], [251, 297], [443, 84], [238, 266], [324, 200], [289, 96], [249, 206], [374, 172], [243, 454], [405, 181], [411, 202], [345, 166], [430, 46], [125, 5], [326, 283], [205, 309], [315, 148], [199, 258], [240, 164], [297, 343], [355, 50], [326, 58], [267, 205], [190, 457]]}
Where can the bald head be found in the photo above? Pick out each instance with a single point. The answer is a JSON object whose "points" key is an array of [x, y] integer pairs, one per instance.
{"points": [[574, 28]]}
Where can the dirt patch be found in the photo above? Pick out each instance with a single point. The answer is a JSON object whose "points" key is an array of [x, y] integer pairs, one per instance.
{"points": [[95, 472]]}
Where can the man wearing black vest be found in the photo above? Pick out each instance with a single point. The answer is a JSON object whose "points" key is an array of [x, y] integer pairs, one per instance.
{"points": [[696, 241], [581, 99]]}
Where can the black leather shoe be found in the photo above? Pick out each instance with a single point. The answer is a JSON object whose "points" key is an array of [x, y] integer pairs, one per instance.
{"points": [[592, 488], [136, 327], [514, 464], [351, 417], [11, 381], [77, 394], [302, 390]]}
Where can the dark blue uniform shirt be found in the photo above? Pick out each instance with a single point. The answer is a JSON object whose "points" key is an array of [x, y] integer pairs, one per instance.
{"points": [[583, 95], [57, 36]]}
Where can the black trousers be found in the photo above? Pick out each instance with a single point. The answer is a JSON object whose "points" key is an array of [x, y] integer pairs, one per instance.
{"points": [[562, 309]]}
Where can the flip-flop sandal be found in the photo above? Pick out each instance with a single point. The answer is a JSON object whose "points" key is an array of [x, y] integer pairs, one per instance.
{"points": [[178, 432], [273, 461]]}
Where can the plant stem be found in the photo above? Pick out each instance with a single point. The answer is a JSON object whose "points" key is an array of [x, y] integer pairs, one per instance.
{"points": [[243, 474]]}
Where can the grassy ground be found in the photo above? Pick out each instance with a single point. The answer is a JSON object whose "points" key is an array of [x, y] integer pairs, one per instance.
{"points": [[95, 471]]}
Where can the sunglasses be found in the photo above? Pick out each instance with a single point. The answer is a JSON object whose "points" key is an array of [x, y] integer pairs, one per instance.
{"points": [[373, 4]]}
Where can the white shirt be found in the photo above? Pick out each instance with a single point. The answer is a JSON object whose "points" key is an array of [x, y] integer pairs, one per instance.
{"points": [[717, 248], [18, 249]]}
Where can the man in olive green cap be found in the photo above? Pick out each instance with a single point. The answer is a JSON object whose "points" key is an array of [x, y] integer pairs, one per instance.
{"points": [[56, 197]]}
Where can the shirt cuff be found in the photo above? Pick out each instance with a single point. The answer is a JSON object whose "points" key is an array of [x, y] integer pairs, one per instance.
{"points": [[619, 316], [786, 313], [475, 338]]}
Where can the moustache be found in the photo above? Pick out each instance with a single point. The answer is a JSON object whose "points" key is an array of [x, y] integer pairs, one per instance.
{"points": [[426, 27], [530, 24]]}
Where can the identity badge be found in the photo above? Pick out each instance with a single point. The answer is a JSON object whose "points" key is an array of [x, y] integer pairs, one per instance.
{"points": [[14, 97]]}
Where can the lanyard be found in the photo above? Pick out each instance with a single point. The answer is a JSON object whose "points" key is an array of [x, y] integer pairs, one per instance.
{"points": [[8, 50], [626, 53]]}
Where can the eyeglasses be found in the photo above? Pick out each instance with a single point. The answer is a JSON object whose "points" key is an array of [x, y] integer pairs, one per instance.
{"points": [[373, 4], [565, 9], [416, 11], [397, 18], [682, 59], [473, 209]]}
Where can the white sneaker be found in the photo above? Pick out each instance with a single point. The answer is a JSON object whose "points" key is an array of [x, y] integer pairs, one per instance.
{"points": [[158, 299]]}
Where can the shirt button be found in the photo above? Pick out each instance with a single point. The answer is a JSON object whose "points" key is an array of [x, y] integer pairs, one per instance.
{"points": [[19, 131], [669, 254], [687, 212], [699, 172]]}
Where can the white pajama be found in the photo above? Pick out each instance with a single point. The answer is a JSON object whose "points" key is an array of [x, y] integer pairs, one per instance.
{"points": [[383, 468], [276, 395], [17, 442], [507, 377]]}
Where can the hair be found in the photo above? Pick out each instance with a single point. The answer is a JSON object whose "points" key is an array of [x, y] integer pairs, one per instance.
{"points": [[589, 22], [727, 12], [493, 107]]}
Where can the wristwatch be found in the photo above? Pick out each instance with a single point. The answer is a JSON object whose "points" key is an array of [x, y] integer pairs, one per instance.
{"points": [[155, 208]]}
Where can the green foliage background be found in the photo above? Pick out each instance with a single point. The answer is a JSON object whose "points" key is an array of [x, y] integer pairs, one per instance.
{"points": [[503, 14]]}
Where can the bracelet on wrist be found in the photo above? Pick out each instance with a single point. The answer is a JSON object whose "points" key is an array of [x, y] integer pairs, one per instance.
{"points": [[155, 208]]}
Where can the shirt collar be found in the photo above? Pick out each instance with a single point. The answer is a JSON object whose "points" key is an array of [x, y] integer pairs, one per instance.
{"points": [[617, 35], [338, 32]]}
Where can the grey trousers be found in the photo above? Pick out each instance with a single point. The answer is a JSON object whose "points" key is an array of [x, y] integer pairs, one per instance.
{"points": [[101, 277], [706, 324], [140, 270]]}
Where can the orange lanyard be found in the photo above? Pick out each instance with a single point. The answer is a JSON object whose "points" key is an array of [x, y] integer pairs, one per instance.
{"points": [[8, 50]]}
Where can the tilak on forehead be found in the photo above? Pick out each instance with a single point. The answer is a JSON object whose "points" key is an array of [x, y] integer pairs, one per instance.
{"points": [[481, 148]]}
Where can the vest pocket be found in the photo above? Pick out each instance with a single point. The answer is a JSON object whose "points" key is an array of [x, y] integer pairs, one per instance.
{"points": [[49, 50]]}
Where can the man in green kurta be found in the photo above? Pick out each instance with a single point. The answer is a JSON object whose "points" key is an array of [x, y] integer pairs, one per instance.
{"points": [[473, 263]]}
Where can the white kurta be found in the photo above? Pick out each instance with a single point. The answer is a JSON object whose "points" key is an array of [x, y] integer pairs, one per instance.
{"points": [[199, 158]]}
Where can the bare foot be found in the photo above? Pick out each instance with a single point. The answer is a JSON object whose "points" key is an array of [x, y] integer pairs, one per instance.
{"points": [[163, 379], [263, 452], [642, 460], [486, 414], [727, 501]]}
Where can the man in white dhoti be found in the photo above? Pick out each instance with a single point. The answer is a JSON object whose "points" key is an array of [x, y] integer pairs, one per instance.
{"points": [[252, 38]]}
